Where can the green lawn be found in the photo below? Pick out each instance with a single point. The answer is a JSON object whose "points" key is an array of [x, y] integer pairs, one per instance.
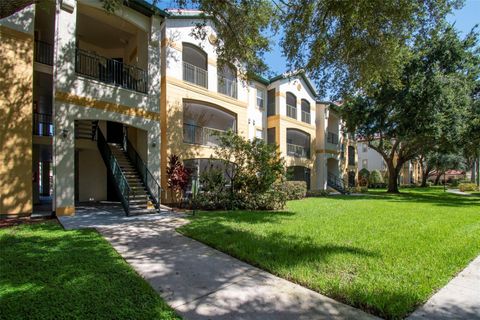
{"points": [[49, 273], [385, 254]]}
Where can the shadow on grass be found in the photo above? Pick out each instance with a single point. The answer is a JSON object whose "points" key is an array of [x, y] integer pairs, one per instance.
{"points": [[49, 273]]}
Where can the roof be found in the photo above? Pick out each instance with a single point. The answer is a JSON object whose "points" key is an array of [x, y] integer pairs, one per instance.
{"points": [[293, 74], [145, 8], [186, 14]]}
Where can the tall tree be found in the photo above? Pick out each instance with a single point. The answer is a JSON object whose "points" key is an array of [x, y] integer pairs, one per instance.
{"points": [[428, 108], [341, 44]]}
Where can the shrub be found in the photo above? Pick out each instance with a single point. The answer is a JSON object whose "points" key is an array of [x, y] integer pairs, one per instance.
{"points": [[467, 187], [295, 189], [375, 179], [359, 189], [363, 176], [274, 199], [454, 182]]}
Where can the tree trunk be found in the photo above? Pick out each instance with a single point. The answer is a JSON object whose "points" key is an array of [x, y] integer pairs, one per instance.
{"points": [[437, 179], [393, 178], [424, 179]]}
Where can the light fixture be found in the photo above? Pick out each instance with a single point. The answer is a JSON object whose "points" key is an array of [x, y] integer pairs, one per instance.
{"points": [[154, 144], [64, 133]]}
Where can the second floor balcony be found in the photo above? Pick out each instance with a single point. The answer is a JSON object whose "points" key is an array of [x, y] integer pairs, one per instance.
{"points": [[291, 111], [201, 135], [195, 75], [110, 71], [204, 123], [297, 151], [306, 117], [298, 143]]}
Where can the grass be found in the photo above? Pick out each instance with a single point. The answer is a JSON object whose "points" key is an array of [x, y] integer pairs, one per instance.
{"points": [[385, 254], [49, 273]]}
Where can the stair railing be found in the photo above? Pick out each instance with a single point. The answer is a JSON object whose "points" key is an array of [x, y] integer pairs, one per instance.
{"points": [[336, 183], [115, 172], [147, 177]]}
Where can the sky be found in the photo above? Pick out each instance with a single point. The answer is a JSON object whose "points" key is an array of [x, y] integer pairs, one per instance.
{"points": [[464, 20]]}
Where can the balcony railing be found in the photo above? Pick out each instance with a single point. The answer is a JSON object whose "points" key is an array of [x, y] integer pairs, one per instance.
{"points": [[297, 151], [305, 116], [110, 71], [291, 111], [332, 138], [43, 52], [42, 124], [227, 86], [201, 135], [195, 75]]}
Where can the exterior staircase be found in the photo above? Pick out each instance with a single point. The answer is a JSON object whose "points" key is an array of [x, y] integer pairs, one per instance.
{"points": [[336, 183], [140, 200]]}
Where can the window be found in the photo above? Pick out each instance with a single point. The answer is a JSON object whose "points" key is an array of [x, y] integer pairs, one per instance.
{"points": [[305, 111], [259, 134], [351, 156], [202, 165], [364, 147], [271, 136], [194, 65], [260, 98], [227, 81], [291, 105], [271, 102], [365, 164]]}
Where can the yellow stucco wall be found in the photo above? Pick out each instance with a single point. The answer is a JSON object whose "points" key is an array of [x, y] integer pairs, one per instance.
{"points": [[174, 93], [16, 87]]}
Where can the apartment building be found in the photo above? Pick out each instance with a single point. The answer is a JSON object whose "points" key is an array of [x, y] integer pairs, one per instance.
{"points": [[96, 102], [411, 172]]}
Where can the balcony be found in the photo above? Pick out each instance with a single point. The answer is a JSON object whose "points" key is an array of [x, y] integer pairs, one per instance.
{"points": [[201, 135], [227, 86], [291, 111], [195, 75], [332, 138], [43, 52], [297, 151], [110, 71], [306, 117], [42, 125]]}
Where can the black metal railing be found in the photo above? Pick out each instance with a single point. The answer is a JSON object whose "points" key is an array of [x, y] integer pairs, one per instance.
{"points": [[336, 183], [332, 138], [110, 71], [115, 173], [201, 135], [43, 52], [42, 124], [152, 185]]}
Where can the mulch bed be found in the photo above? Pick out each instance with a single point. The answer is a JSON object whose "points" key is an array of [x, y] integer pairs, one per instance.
{"points": [[9, 222]]}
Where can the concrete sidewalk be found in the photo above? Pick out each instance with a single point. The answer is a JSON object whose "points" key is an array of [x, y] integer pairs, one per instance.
{"points": [[459, 299], [203, 283]]}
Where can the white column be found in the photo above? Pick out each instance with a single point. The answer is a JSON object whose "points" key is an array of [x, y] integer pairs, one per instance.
{"points": [[63, 139]]}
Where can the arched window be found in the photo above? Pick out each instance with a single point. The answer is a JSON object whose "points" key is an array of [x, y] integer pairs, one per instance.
{"points": [[291, 105], [298, 143], [227, 81], [195, 65], [202, 123], [305, 111]]}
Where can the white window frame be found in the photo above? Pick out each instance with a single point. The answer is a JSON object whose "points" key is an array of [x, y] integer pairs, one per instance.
{"points": [[264, 98]]}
